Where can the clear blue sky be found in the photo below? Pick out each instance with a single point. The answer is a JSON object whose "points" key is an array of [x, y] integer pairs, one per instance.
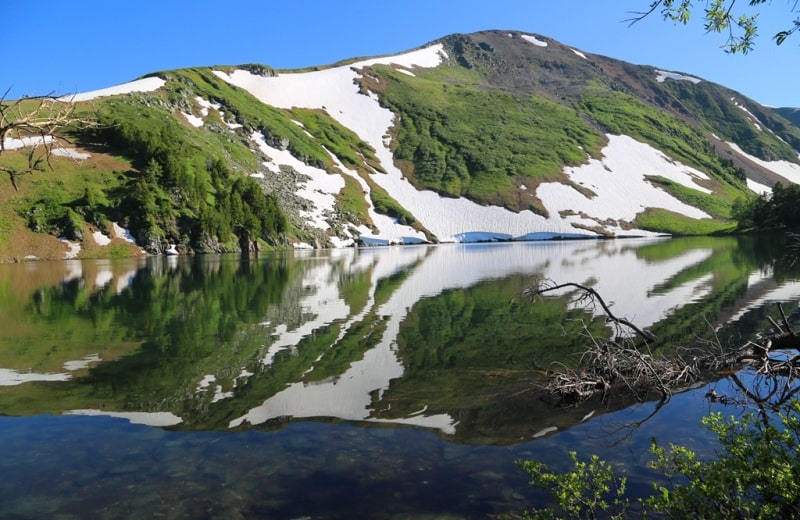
{"points": [[80, 45]]}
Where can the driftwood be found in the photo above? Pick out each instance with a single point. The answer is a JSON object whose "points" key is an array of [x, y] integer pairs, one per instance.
{"points": [[621, 365]]}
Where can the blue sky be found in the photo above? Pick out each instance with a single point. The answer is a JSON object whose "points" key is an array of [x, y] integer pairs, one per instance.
{"points": [[81, 45]]}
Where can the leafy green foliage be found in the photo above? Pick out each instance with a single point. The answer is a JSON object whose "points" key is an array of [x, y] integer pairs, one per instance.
{"points": [[754, 475], [58, 207], [589, 490], [184, 193], [720, 17]]}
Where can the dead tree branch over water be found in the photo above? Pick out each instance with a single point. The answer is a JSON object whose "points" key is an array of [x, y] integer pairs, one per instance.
{"points": [[620, 365], [589, 295]]}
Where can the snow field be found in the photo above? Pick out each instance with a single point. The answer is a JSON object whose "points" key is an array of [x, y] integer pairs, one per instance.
{"points": [[619, 181], [140, 85], [788, 170], [622, 192], [663, 75]]}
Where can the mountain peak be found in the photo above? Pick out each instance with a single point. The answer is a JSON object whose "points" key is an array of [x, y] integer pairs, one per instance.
{"points": [[495, 135]]}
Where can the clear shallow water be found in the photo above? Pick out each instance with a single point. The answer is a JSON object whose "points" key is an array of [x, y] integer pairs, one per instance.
{"points": [[378, 383]]}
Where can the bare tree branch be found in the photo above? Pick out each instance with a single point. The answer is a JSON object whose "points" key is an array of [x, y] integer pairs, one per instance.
{"points": [[546, 287], [35, 123]]}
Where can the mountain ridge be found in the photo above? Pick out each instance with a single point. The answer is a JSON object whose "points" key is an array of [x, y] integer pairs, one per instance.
{"points": [[496, 135]]}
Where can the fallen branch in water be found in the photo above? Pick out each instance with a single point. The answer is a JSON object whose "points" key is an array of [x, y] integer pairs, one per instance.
{"points": [[618, 366]]}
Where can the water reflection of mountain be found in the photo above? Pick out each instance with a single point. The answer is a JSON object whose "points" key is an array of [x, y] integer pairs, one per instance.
{"points": [[435, 337]]}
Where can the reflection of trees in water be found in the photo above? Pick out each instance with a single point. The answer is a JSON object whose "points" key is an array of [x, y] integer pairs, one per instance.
{"points": [[473, 355], [201, 316], [476, 354]]}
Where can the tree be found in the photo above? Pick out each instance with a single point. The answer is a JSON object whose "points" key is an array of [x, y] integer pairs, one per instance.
{"points": [[719, 17], [33, 123]]}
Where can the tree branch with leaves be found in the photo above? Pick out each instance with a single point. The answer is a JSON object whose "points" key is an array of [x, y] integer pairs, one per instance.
{"points": [[722, 16]]}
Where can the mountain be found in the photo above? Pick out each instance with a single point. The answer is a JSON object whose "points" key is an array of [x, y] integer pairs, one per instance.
{"points": [[791, 114], [497, 135]]}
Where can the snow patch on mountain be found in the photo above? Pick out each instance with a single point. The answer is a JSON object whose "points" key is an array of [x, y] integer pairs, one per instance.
{"points": [[758, 188], [320, 188], [193, 120], [140, 85], [71, 153], [750, 116], [618, 180], [534, 40], [579, 54], [11, 143], [619, 184], [663, 75], [100, 238], [788, 170]]}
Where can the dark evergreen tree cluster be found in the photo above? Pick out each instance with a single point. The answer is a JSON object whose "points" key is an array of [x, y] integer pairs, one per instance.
{"points": [[776, 211], [184, 196]]}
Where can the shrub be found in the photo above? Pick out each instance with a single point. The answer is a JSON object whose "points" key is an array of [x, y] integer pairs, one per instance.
{"points": [[755, 474]]}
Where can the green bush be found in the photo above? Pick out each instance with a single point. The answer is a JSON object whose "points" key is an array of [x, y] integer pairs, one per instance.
{"points": [[754, 475]]}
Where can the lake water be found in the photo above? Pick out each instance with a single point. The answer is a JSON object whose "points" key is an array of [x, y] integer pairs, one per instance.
{"points": [[387, 383]]}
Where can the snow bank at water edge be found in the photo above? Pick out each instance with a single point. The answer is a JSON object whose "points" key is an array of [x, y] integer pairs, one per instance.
{"points": [[156, 419]]}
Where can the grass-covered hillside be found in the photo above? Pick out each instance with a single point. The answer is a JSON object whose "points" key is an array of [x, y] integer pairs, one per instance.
{"points": [[493, 135]]}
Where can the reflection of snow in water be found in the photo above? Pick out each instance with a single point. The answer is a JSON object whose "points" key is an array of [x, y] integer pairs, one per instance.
{"points": [[786, 292], [10, 377], [642, 287], [613, 268], [82, 363]]}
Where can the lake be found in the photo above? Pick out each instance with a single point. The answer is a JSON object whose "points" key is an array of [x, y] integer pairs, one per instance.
{"points": [[386, 383]]}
